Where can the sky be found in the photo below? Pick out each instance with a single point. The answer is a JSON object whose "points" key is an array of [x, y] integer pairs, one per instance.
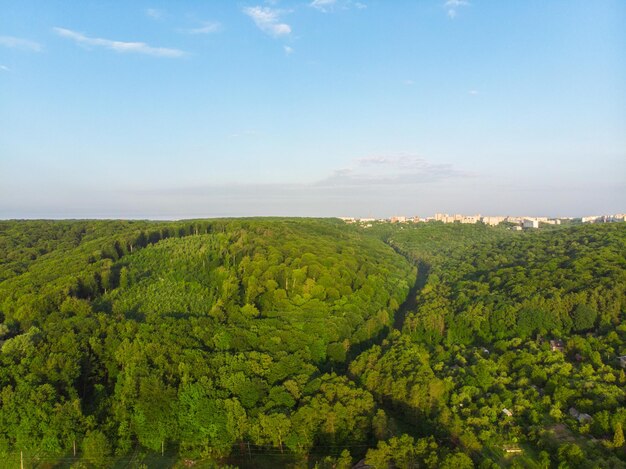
{"points": [[180, 109]]}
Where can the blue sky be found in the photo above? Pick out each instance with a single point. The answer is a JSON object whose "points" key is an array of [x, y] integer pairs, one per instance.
{"points": [[179, 109]]}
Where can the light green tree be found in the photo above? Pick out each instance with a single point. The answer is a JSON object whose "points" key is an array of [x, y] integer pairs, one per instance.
{"points": [[618, 436]]}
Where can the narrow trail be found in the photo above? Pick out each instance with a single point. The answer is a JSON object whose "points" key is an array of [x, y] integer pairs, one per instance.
{"points": [[404, 423], [410, 303]]}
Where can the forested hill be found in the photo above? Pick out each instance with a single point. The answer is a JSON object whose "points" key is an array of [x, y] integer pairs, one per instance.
{"points": [[237, 341], [513, 351], [188, 336]]}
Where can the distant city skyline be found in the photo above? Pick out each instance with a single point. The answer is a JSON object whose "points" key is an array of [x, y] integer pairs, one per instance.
{"points": [[169, 110]]}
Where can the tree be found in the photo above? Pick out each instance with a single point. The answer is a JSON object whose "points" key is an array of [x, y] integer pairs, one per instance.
{"points": [[544, 460], [344, 461], [272, 429], [380, 424], [154, 415], [124, 278], [336, 352], [584, 317], [572, 454], [457, 461], [618, 436], [96, 448], [203, 423]]}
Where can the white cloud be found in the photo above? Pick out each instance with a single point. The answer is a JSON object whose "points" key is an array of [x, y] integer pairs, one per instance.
{"points": [[473, 92], [322, 5], [288, 50], [18, 43], [453, 5], [208, 27], [268, 20], [4, 68], [119, 46], [154, 13]]}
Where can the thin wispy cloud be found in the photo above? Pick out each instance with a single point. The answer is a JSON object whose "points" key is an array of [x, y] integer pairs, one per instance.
{"points": [[452, 7], [154, 13], [329, 5], [4, 68], [119, 46], [268, 20], [392, 170], [368, 185], [208, 27], [246, 133], [288, 50], [408, 82], [13, 42], [473, 92]]}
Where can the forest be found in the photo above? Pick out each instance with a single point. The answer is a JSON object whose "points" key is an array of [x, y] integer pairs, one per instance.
{"points": [[287, 342]]}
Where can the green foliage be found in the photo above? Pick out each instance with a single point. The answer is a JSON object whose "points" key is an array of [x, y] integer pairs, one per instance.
{"points": [[618, 436], [404, 451], [194, 337], [96, 449], [520, 285], [583, 317], [479, 343]]}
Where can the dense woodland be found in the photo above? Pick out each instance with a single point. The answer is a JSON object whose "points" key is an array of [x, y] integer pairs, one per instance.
{"points": [[304, 342]]}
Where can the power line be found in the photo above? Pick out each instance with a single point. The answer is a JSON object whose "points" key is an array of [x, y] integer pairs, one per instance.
{"points": [[241, 449]]}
